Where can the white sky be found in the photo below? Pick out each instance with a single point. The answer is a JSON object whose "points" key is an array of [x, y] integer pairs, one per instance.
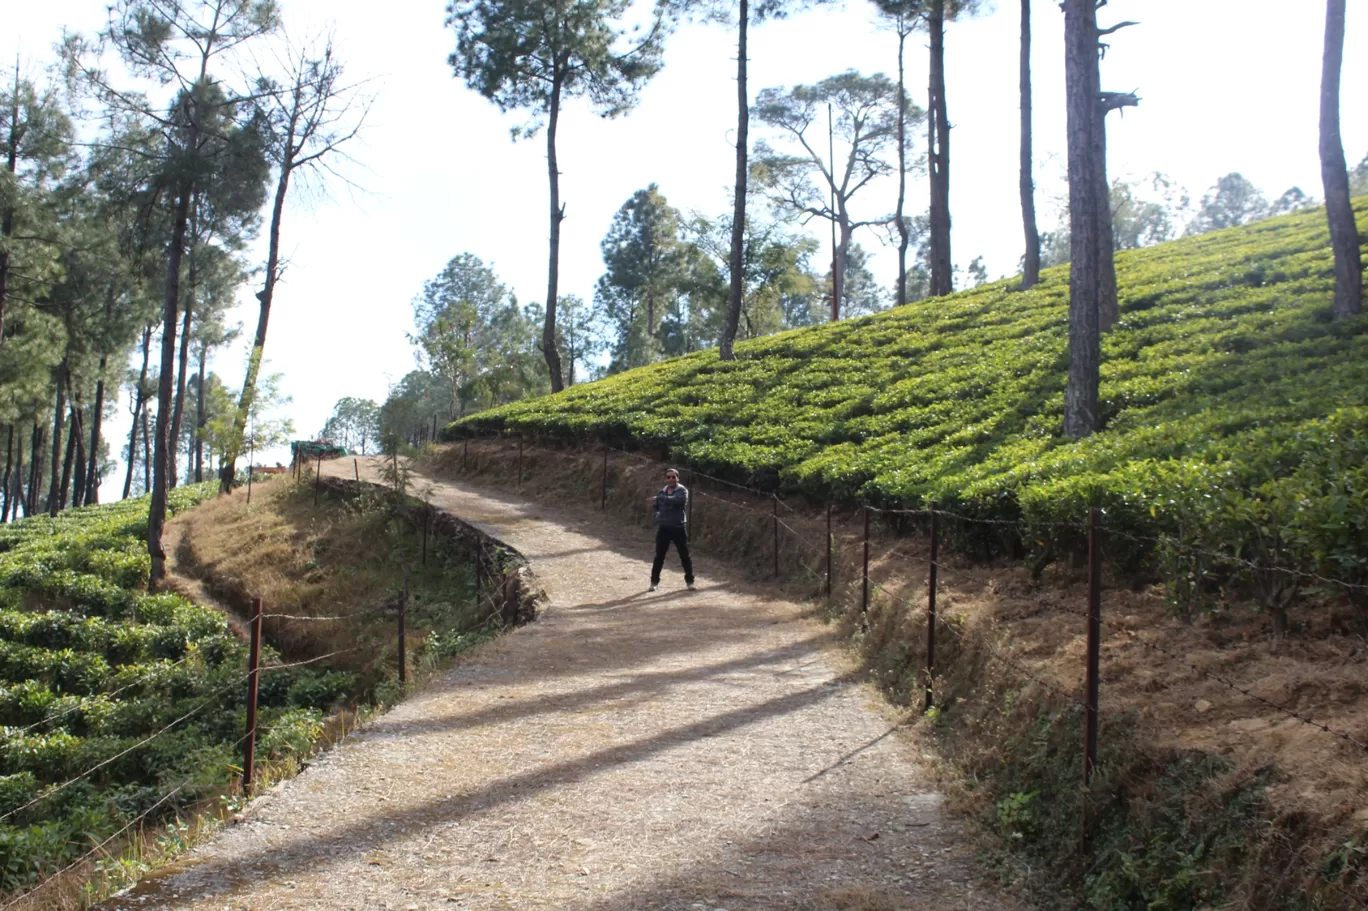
{"points": [[1225, 85]]}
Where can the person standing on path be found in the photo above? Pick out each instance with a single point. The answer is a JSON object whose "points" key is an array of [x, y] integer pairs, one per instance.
{"points": [[672, 525]]}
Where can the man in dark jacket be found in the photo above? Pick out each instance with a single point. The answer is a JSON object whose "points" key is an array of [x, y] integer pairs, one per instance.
{"points": [[672, 525]]}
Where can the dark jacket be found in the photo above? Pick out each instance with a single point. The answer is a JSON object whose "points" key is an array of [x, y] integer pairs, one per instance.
{"points": [[672, 509]]}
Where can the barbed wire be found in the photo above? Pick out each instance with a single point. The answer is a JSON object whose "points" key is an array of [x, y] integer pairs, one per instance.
{"points": [[696, 473], [58, 788], [375, 609], [103, 844], [315, 660], [11, 732], [1268, 703], [1192, 550]]}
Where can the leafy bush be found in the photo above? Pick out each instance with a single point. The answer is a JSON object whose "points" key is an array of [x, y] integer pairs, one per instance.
{"points": [[102, 666], [1235, 414]]}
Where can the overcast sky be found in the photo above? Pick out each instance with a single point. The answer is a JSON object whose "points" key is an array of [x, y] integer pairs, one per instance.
{"points": [[1225, 85]]}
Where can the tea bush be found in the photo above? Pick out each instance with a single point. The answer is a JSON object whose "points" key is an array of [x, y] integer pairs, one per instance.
{"points": [[91, 666], [1235, 413]]}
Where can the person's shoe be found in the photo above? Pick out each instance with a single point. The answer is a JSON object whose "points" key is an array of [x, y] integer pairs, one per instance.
{"points": [[654, 586], [691, 587]]}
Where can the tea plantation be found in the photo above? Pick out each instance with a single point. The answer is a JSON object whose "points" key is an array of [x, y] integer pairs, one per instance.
{"points": [[1235, 412], [114, 701]]}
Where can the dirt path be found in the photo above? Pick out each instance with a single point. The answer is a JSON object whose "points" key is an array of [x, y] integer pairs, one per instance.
{"points": [[675, 750]]}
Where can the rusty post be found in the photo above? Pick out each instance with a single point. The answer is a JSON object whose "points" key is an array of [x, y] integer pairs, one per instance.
{"points": [[318, 475], [427, 523], [828, 567], [864, 575], [356, 467], [520, 451], [776, 536], [434, 428], [465, 453], [253, 679], [250, 459], [603, 500], [932, 582], [403, 612], [1094, 641]]}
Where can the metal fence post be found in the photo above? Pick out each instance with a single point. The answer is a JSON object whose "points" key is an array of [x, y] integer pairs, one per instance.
{"points": [[403, 656], [318, 475], [603, 500], [828, 555], [465, 453], [356, 467], [1094, 641], [427, 523], [520, 453], [933, 582], [776, 537], [864, 574], [253, 679]]}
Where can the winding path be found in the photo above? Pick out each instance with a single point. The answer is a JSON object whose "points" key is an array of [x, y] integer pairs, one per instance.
{"points": [[674, 750]]}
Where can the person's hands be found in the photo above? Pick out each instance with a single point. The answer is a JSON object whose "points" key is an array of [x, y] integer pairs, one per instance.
{"points": [[651, 500]]}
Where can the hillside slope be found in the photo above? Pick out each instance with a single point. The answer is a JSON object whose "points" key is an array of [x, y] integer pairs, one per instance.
{"points": [[1232, 405]]}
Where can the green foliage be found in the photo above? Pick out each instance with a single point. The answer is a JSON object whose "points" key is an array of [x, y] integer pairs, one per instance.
{"points": [[82, 681], [1235, 412]]}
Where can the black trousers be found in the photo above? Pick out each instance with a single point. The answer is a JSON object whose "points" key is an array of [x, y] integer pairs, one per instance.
{"points": [[666, 534]]}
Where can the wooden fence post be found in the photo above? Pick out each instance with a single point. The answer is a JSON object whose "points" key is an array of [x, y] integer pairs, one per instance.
{"points": [[403, 655], [1094, 641], [356, 467], [253, 681], [603, 501], [828, 555], [932, 583], [520, 457], [864, 575], [776, 536]]}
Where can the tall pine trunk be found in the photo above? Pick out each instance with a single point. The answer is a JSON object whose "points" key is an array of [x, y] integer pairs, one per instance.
{"points": [[7, 219], [938, 163], [1335, 172], [1083, 106], [199, 415], [738, 238], [5, 485], [78, 469], [34, 500], [183, 364], [156, 511], [839, 262], [228, 462], [75, 448], [553, 362], [147, 449], [65, 487], [92, 495], [904, 236], [1108, 306], [16, 490], [1030, 273], [138, 409], [58, 414]]}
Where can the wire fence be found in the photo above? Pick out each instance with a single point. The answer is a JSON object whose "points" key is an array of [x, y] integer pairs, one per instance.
{"points": [[798, 528]]}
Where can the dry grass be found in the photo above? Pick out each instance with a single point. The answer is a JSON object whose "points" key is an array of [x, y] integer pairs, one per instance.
{"points": [[1022, 640], [340, 559]]}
